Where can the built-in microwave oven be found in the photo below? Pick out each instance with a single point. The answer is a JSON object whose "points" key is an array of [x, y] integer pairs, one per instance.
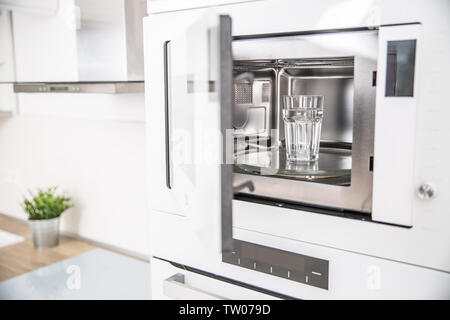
{"points": [[217, 147]]}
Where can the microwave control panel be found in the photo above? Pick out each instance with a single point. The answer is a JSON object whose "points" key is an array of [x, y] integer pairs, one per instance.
{"points": [[292, 266]]}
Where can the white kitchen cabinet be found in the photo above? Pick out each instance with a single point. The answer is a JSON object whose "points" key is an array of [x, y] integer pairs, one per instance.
{"points": [[6, 47], [170, 282], [157, 6], [7, 74], [77, 40], [46, 7], [45, 45]]}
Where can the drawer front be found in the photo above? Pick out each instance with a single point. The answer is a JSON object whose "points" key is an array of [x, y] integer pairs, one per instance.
{"points": [[172, 283]]}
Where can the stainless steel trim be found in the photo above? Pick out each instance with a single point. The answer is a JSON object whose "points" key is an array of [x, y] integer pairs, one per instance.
{"points": [[80, 87], [176, 288], [226, 118], [296, 267]]}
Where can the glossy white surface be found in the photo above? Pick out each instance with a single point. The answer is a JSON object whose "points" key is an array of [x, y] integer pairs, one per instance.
{"points": [[7, 239], [52, 41], [45, 7], [6, 47], [97, 274], [74, 40], [158, 6], [199, 285], [351, 275], [126, 107], [395, 144]]}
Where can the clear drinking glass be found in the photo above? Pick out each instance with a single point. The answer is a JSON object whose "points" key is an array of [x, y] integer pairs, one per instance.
{"points": [[302, 117]]}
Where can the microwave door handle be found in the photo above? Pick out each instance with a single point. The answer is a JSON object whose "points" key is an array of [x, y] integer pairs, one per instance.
{"points": [[176, 288], [167, 113]]}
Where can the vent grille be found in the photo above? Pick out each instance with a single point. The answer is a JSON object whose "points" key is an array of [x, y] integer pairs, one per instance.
{"points": [[243, 93]]}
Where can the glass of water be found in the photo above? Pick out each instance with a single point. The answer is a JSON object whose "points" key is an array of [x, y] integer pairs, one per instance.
{"points": [[302, 115]]}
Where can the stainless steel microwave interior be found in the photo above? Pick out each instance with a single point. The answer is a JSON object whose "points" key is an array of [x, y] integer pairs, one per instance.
{"points": [[341, 66]]}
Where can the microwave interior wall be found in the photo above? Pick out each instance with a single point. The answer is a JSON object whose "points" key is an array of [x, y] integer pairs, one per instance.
{"points": [[339, 66]]}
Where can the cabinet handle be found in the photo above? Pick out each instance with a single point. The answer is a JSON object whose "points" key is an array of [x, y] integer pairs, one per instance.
{"points": [[167, 113], [175, 287]]}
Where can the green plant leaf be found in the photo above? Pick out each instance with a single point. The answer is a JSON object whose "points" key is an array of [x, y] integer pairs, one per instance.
{"points": [[45, 204]]}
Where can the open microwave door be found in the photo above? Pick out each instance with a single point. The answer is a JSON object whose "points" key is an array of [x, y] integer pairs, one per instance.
{"points": [[188, 119]]}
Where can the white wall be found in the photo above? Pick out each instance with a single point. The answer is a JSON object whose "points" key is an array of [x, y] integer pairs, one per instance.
{"points": [[91, 145]]}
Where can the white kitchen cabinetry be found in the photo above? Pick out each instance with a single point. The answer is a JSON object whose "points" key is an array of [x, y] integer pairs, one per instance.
{"points": [[172, 283], [78, 40], [157, 6], [7, 74], [46, 7]]}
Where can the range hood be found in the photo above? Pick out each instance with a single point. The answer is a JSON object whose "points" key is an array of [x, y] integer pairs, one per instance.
{"points": [[76, 46], [80, 87]]}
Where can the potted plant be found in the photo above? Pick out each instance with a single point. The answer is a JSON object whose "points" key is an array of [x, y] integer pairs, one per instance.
{"points": [[44, 209]]}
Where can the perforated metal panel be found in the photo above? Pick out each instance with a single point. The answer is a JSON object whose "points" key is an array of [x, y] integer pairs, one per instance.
{"points": [[243, 93]]}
